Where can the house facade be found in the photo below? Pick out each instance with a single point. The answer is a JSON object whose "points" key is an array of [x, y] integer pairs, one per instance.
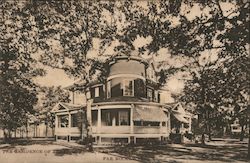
{"points": [[125, 107], [181, 120]]}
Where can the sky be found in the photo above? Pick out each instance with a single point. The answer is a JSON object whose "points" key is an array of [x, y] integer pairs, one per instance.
{"points": [[174, 85]]}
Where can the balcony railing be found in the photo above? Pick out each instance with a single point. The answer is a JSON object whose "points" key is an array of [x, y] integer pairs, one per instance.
{"points": [[127, 130], [147, 129], [114, 130]]}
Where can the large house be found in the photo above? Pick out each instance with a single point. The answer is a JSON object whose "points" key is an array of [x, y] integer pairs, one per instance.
{"points": [[126, 106]]}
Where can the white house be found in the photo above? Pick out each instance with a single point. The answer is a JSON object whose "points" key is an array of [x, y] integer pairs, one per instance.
{"points": [[126, 106]]}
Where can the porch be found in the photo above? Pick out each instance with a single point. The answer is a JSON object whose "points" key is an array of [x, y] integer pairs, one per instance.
{"points": [[116, 121]]}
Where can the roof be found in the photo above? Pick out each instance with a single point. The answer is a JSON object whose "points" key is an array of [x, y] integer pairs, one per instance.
{"points": [[180, 118], [152, 114], [82, 83], [124, 98], [67, 107], [179, 113], [131, 57], [178, 108]]}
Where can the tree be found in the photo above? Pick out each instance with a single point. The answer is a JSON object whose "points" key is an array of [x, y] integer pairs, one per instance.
{"points": [[17, 67], [241, 115], [50, 97], [72, 28], [74, 25], [216, 83]]}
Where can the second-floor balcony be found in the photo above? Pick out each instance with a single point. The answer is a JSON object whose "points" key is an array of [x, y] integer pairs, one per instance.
{"points": [[125, 89]]}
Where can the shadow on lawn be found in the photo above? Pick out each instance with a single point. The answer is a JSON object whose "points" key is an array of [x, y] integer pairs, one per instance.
{"points": [[24, 142], [70, 151], [66, 150], [168, 153]]}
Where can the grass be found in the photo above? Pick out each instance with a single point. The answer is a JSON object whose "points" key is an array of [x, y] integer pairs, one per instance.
{"points": [[220, 150]]}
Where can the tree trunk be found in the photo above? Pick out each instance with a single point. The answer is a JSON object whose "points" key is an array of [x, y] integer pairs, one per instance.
{"points": [[209, 132], [53, 131], [9, 136], [242, 133], [27, 130], [34, 130], [249, 138], [203, 139], [46, 129], [81, 130], [5, 135], [89, 126]]}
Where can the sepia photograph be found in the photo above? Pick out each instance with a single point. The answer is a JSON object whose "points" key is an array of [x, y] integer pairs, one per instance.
{"points": [[124, 81]]}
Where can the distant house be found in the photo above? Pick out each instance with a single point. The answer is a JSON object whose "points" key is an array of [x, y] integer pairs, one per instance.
{"points": [[126, 106], [235, 127], [181, 120]]}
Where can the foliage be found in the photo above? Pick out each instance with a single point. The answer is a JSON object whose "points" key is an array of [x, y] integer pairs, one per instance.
{"points": [[72, 28], [65, 31], [17, 67], [50, 96]]}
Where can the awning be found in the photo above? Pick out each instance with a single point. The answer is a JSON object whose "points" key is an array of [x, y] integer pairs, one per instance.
{"points": [[180, 117], [152, 114]]}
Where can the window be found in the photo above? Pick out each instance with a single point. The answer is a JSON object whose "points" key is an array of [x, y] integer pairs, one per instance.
{"points": [[115, 117], [63, 121], [138, 123], [128, 88], [156, 96], [235, 128], [123, 118], [139, 88], [108, 89], [74, 120], [151, 123], [150, 74], [163, 123], [146, 123], [106, 118], [97, 92], [94, 114], [150, 94]]}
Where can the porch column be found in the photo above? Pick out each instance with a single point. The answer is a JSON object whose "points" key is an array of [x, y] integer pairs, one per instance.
{"points": [[131, 119], [69, 126], [160, 127], [56, 127], [99, 123], [182, 128], [169, 122], [69, 121], [56, 121]]}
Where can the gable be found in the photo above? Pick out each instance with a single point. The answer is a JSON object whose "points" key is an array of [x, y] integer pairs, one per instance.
{"points": [[67, 107]]}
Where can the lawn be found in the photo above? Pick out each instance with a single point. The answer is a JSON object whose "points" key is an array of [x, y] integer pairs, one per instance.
{"points": [[220, 150], [215, 151]]}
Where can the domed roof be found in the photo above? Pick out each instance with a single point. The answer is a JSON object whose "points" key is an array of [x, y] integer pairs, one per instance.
{"points": [[128, 57]]}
